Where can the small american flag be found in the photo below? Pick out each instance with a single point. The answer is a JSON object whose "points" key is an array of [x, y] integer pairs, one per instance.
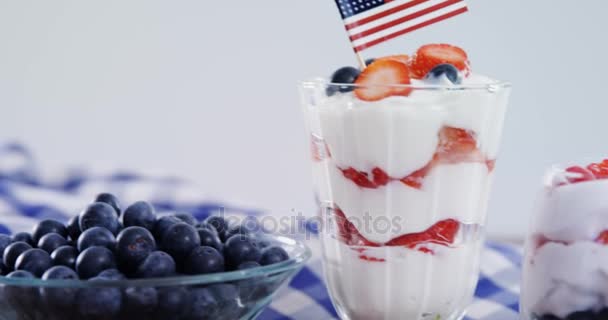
{"points": [[371, 22]]}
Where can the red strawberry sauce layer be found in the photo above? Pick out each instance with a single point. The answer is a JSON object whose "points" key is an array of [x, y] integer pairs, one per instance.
{"points": [[455, 146], [441, 233]]}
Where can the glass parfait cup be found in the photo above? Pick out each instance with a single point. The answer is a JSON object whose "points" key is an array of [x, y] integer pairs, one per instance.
{"points": [[565, 267], [402, 186]]}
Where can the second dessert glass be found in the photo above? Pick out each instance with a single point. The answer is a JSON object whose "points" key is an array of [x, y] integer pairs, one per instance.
{"points": [[402, 186]]}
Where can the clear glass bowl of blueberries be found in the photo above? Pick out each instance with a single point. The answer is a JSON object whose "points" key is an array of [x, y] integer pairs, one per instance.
{"points": [[111, 264]]}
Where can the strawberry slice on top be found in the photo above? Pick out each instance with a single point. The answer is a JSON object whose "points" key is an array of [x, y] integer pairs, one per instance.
{"points": [[432, 55], [381, 79], [403, 58]]}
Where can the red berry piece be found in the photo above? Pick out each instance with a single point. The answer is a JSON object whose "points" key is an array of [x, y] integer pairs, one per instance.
{"points": [[381, 79], [432, 55], [578, 174]]}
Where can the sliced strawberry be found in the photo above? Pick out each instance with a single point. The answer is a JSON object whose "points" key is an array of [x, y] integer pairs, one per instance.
{"points": [[579, 174], [381, 79], [348, 233], [599, 170], [457, 145], [432, 55], [442, 233], [416, 178], [358, 177], [403, 58], [491, 164], [381, 178], [371, 259], [602, 237]]}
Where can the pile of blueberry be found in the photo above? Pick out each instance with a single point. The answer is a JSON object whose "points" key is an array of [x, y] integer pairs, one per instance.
{"points": [[103, 243]]}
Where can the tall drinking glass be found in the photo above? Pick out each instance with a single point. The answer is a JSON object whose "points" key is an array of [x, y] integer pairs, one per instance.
{"points": [[402, 185]]}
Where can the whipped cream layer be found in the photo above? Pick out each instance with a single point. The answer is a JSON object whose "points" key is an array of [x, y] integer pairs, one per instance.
{"points": [[565, 268], [573, 212], [409, 285], [399, 134]]}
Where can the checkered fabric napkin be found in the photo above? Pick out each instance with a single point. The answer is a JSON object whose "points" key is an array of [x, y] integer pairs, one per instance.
{"points": [[26, 196]]}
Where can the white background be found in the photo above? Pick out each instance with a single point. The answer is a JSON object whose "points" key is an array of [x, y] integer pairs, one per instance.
{"points": [[207, 89]]}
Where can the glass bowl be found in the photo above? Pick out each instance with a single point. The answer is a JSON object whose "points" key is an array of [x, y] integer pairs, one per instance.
{"points": [[227, 295]]}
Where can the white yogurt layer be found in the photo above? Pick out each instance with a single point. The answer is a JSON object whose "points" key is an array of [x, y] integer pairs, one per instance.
{"points": [[409, 285], [573, 212]]}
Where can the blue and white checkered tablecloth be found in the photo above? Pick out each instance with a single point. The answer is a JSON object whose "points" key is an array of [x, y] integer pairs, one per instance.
{"points": [[26, 196]]}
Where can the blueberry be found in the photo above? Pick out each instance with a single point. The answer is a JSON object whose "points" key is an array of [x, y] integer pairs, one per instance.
{"points": [[582, 315], [179, 240], [13, 251], [93, 260], [133, 245], [203, 305], [602, 314], [21, 274], [99, 302], [239, 249], [218, 223], [36, 261], [65, 256], [172, 302], [203, 260], [163, 224], [46, 227], [234, 230], [548, 317], [23, 237], [209, 238], [110, 199], [140, 300], [4, 270], [99, 214], [5, 240], [140, 214], [205, 225], [218, 301], [369, 61], [21, 297], [187, 218], [51, 241], [344, 76], [111, 274], [272, 255], [156, 265], [447, 70], [251, 225], [248, 265], [59, 298], [96, 236], [74, 228]]}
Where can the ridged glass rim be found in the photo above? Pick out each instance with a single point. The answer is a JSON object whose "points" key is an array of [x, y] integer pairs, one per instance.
{"points": [[493, 86], [302, 254]]}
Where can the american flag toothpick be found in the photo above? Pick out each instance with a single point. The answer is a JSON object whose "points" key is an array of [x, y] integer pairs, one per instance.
{"points": [[371, 22]]}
